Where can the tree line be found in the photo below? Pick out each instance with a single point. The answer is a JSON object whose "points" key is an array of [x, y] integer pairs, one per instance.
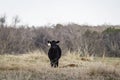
{"points": [[101, 40]]}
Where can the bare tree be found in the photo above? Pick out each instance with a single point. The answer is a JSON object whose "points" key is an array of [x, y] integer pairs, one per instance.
{"points": [[2, 20], [16, 20]]}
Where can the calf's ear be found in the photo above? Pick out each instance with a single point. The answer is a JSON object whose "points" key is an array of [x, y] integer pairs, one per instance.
{"points": [[48, 41], [57, 41]]}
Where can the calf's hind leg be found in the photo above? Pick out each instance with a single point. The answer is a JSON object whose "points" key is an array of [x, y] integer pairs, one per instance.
{"points": [[52, 64]]}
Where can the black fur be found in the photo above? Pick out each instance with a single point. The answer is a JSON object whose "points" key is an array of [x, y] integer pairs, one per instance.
{"points": [[54, 53]]}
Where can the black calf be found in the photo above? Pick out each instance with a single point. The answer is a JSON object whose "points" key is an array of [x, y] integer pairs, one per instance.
{"points": [[54, 53]]}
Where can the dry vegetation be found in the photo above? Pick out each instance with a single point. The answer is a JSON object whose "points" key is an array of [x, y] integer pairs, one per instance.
{"points": [[78, 40], [35, 66]]}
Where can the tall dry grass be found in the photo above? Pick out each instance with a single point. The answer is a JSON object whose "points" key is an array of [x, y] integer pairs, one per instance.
{"points": [[36, 66]]}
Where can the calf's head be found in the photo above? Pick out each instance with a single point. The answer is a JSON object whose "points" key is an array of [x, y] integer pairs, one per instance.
{"points": [[53, 43]]}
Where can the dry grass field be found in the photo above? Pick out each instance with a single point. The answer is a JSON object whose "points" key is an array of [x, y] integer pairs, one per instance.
{"points": [[36, 66]]}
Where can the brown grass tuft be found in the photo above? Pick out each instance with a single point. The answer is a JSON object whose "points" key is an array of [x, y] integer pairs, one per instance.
{"points": [[69, 65]]}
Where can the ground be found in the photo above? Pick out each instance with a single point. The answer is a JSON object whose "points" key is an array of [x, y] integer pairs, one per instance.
{"points": [[36, 66]]}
